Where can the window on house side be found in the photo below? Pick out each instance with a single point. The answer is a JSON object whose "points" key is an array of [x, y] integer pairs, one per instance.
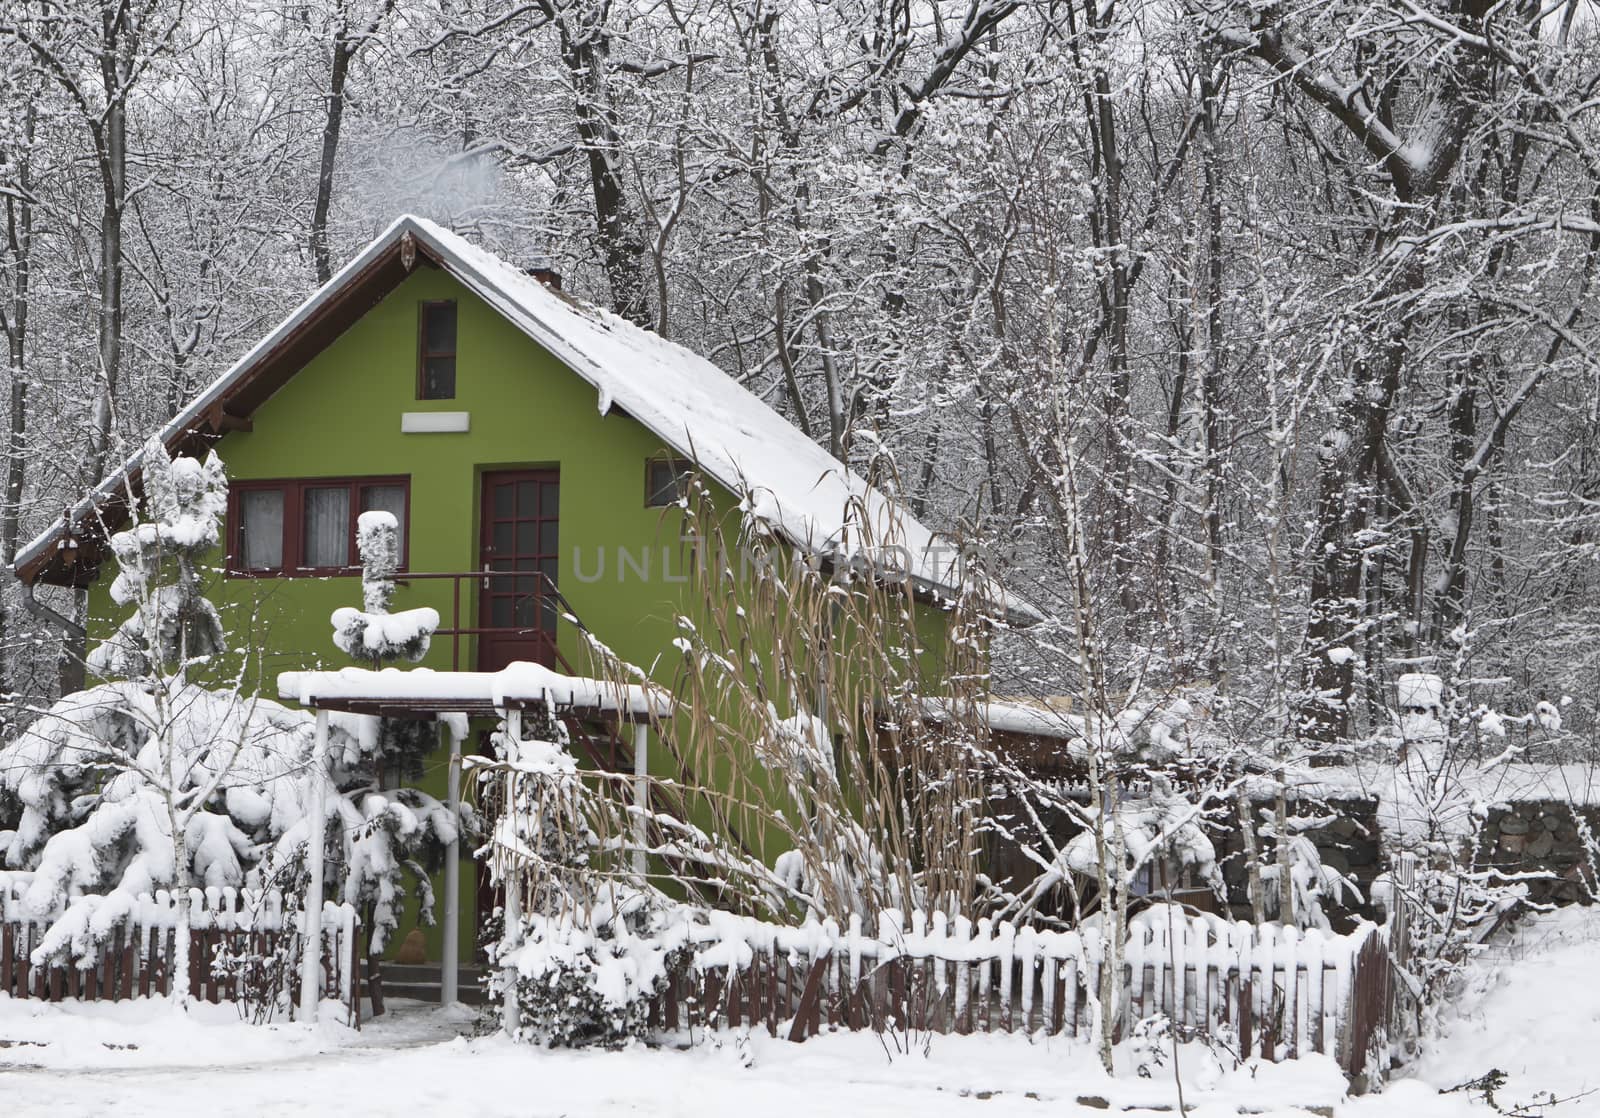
{"points": [[436, 357], [308, 527], [664, 481]]}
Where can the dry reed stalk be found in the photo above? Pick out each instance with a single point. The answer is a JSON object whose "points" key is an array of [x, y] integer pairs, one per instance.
{"points": [[798, 722]]}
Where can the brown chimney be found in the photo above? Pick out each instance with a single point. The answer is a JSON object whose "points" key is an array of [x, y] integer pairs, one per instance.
{"points": [[545, 275]]}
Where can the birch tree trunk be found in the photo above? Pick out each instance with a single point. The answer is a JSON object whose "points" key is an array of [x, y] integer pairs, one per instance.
{"points": [[14, 320]]}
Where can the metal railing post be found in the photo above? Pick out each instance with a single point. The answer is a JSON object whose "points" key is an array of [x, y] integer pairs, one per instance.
{"points": [[641, 794]]}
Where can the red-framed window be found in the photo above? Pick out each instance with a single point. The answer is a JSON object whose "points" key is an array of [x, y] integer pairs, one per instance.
{"points": [[665, 481], [307, 526]]}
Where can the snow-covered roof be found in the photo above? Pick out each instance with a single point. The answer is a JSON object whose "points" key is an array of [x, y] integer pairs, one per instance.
{"points": [[513, 687], [1010, 716], [812, 500]]}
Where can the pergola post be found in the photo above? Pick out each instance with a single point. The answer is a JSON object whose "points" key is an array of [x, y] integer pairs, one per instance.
{"points": [[449, 976], [513, 719], [311, 931]]}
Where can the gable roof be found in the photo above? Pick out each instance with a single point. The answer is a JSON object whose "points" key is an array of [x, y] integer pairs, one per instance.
{"points": [[803, 492]]}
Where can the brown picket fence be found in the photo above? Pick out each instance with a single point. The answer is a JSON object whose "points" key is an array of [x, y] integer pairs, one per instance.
{"points": [[1264, 992], [134, 956]]}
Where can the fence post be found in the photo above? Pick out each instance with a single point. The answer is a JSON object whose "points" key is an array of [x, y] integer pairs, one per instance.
{"points": [[1396, 1007]]}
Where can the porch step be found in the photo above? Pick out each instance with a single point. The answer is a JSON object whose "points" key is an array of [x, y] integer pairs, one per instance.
{"points": [[422, 982]]}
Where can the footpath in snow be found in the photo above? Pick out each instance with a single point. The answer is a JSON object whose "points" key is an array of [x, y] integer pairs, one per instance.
{"points": [[1531, 1009]]}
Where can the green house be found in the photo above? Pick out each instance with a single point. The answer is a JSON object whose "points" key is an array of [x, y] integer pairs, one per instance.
{"points": [[526, 441]]}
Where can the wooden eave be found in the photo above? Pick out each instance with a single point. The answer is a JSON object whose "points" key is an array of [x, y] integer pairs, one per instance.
{"points": [[81, 545]]}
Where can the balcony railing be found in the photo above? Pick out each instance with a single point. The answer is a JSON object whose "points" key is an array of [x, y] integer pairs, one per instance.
{"points": [[606, 750], [546, 601]]}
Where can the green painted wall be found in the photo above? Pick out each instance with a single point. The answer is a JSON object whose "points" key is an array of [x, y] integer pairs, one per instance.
{"points": [[341, 417]]}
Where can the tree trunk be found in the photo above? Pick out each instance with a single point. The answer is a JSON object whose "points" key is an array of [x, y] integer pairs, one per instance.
{"points": [[1252, 857], [1211, 377], [19, 242], [585, 48], [374, 967], [113, 176], [1106, 220], [1347, 471], [343, 51], [1280, 822]]}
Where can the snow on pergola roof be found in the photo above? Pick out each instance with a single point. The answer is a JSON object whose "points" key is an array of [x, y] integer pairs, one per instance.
{"points": [[811, 499], [419, 692]]}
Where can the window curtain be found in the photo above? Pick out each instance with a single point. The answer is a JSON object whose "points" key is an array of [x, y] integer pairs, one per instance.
{"points": [[261, 529], [327, 527]]}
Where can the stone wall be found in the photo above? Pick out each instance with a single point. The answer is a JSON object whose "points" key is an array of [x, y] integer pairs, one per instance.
{"points": [[1536, 836], [1524, 836], [1541, 836]]}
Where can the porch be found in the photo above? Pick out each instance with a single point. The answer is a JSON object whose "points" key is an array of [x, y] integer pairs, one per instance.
{"points": [[578, 703]]}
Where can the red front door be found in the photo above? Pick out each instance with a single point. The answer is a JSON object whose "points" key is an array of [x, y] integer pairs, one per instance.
{"points": [[519, 538]]}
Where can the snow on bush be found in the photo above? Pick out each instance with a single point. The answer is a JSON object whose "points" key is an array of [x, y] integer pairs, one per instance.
{"points": [[583, 960], [1158, 826], [373, 633], [91, 776], [588, 979]]}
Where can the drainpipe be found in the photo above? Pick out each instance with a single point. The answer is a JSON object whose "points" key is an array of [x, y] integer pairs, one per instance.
{"points": [[44, 613]]}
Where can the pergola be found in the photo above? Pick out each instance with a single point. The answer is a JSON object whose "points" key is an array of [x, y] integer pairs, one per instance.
{"points": [[423, 694]]}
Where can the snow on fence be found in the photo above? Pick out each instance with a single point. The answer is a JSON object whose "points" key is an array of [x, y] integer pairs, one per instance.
{"points": [[1266, 992], [131, 954]]}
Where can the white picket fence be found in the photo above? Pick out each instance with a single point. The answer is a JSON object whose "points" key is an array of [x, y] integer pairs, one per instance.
{"points": [[1274, 993], [118, 947]]}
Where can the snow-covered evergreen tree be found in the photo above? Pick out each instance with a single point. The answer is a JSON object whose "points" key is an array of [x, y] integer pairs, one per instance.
{"points": [[393, 749], [581, 948], [388, 830], [150, 780]]}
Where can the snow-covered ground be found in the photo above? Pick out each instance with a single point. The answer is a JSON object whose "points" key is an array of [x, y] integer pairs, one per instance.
{"points": [[1532, 1010]]}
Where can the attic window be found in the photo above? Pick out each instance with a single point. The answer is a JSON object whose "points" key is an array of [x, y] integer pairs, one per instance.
{"points": [[665, 481], [436, 351]]}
